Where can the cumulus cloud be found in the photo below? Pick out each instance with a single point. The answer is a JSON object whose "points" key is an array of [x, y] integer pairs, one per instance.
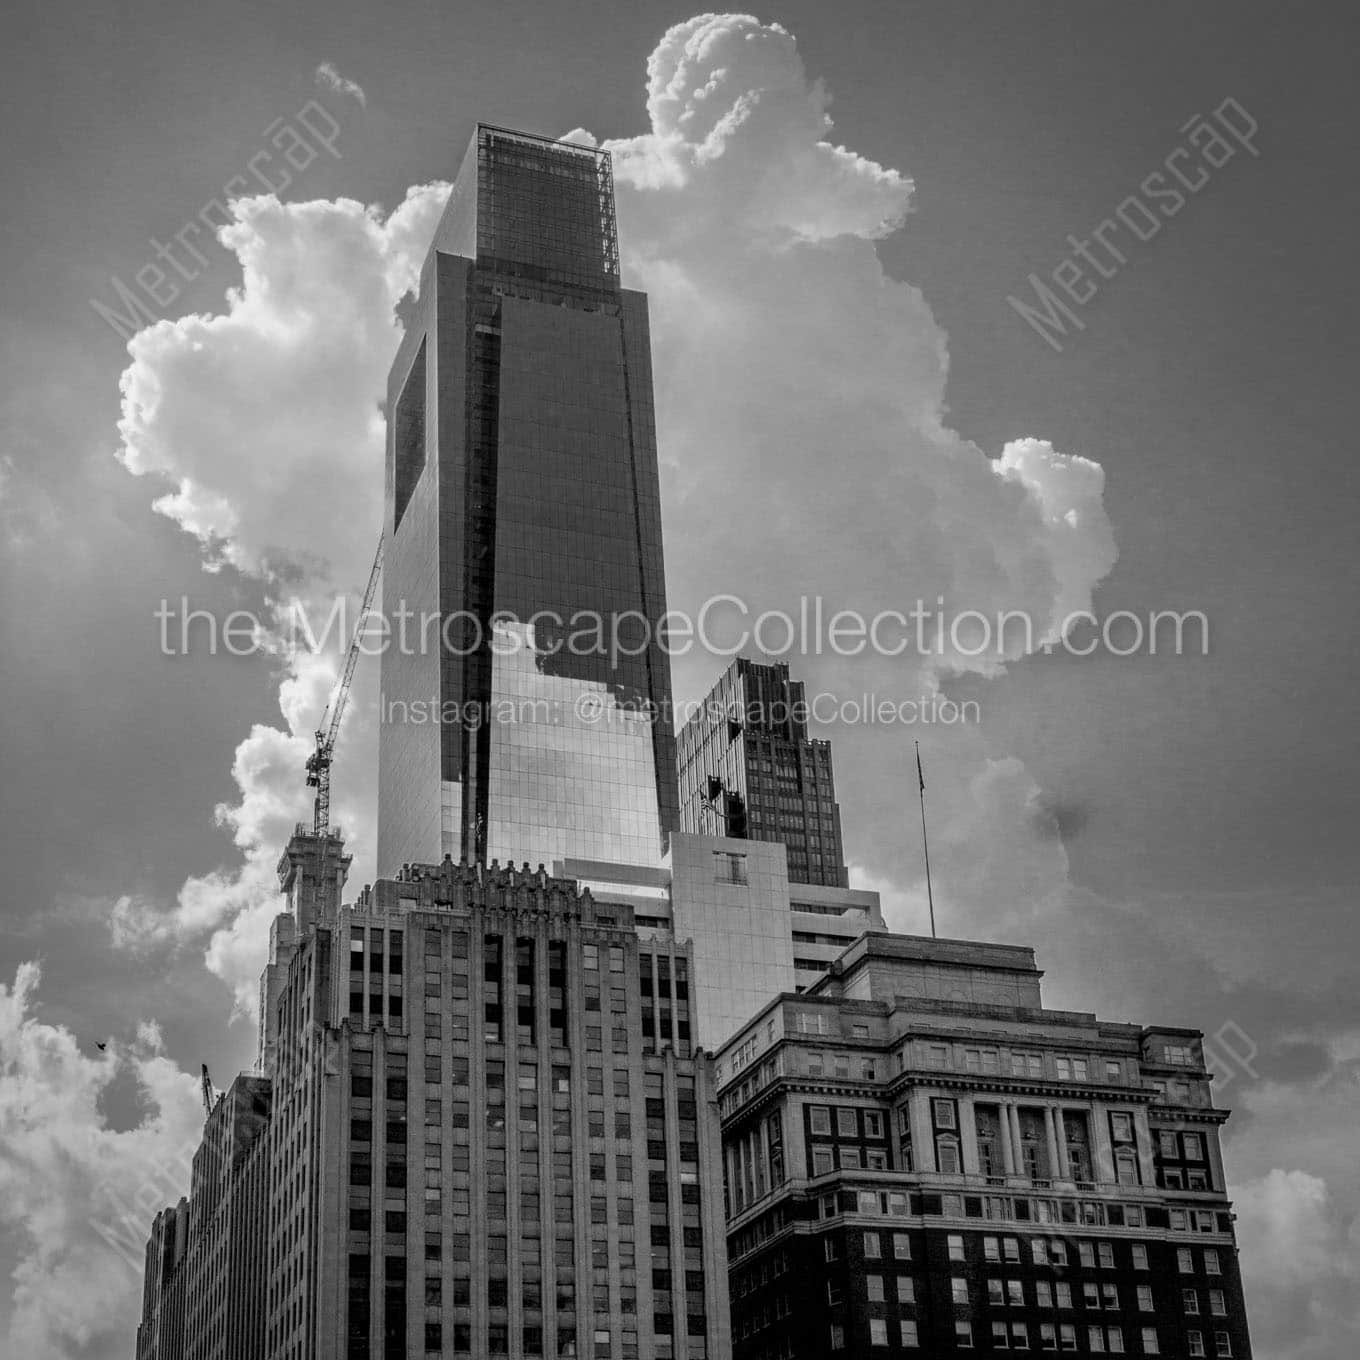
{"points": [[328, 78], [805, 443], [801, 411], [76, 1195], [1299, 1265], [265, 421]]}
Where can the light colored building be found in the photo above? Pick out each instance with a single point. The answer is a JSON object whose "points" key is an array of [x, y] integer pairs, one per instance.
{"points": [[754, 933]]}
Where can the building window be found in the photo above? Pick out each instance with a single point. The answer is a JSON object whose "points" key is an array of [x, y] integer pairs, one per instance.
{"points": [[1150, 1344], [1140, 1256], [1217, 1303], [955, 1243], [901, 1245], [947, 1154], [729, 868], [959, 1289], [872, 1246], [846, 1125], [873, 1284], [1190, 1301], [820, 1119], [1211, 1266], [878, 1331], [1068, 1333], [1222, 1344], [1145, 1298], [1106, 1255], [963, 1335], [1195, 1342], [1048, 1336], [910, 1336], [1185, 1261]]}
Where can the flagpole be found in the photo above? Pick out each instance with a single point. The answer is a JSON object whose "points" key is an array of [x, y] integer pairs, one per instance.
{"points": [[925, 844]]}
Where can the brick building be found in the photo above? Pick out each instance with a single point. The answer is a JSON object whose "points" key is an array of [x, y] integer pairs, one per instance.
{"points": [[920, 1159]]}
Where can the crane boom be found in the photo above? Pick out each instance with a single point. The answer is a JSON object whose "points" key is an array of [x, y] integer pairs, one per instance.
{"points": [[319, 762]]}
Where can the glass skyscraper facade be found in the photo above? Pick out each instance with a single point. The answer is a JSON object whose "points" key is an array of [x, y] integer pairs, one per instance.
{"points": [[531, 719]]}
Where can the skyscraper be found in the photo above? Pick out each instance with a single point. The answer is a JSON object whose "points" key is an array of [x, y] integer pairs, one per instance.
{"points": [[522, 510], [482, 1127], [924, 1160], [749, 770]]}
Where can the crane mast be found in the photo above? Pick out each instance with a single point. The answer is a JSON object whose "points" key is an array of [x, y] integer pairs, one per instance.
{"points": [[319, 762]]}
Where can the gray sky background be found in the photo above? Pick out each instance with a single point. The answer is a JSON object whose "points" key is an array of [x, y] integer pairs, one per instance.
{"points": [[1190, 822]]}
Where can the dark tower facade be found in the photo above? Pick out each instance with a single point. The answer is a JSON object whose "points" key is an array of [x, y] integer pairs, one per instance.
{"points": [[523, 512], [749, 770]]}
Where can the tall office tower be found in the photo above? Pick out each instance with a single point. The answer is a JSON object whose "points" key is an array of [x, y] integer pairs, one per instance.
{"points": [[749, 770], [491, 1133], [923, 1160], [522, 511]]}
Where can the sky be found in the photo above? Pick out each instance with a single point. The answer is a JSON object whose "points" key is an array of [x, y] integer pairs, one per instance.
{"points": [[839, 222]]}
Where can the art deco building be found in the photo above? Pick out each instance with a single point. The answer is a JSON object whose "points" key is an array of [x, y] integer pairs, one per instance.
{"points": [[483, 1128], [748, 770], [920, 1159], [522, 508]]}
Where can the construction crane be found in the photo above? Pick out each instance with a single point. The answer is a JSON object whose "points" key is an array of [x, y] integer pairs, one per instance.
{"points": [[319, 762]]}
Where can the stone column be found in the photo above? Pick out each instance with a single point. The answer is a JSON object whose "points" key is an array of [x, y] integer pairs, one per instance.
{"points": [[1102, 1152], [1051, 1138], [922, 1135], [968, 1144], [1147, 1171], [1064, 1161], [1004, 1126], [1017, 1144]]}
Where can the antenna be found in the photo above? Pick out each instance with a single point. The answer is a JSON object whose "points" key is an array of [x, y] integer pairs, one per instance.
{"points": [[925, 844]]}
